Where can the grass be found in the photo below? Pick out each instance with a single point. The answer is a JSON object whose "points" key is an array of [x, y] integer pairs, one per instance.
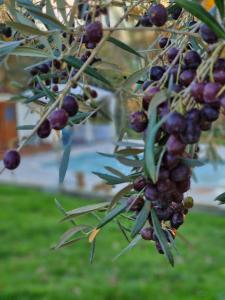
{"points": [[30, 270]]}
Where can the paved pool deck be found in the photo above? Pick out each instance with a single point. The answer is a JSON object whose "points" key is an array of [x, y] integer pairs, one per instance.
{"points": [[35, 171]]}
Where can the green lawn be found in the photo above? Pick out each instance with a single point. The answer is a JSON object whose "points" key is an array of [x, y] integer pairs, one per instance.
{"points": [[30, 270]]}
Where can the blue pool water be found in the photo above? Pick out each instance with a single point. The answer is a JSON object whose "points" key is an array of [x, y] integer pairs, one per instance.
{"points": [[93, 162]]}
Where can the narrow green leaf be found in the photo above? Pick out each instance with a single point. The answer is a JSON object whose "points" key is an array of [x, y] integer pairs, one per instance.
{"points": [[65, 162], [85, 210], [25, 127], [63, 211], [141, 219], [49, 9], [47, 92], [61, 6], [24, 20], [25, 29], [161, 237], [112, 214], [92, 252], [115, 172], [198, 11], [123, 230], [137, 163], [132, 244], [221, 7], [32, 52], [111, 179], [120, 194], [80, 116], [129, 151], [7, 47], [221, 198], [194, 162], [134, 77], [35, 97], [124, 46], [68, 234], [152, 129], [49, 21], [27, 4], [77, 63], [69, 243]]}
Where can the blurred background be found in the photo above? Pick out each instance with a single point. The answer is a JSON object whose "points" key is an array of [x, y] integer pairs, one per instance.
{"points": [[29, 219]]}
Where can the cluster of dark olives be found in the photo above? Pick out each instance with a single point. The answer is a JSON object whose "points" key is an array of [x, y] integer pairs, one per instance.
{"points": [[158, 15], [201, 100]]}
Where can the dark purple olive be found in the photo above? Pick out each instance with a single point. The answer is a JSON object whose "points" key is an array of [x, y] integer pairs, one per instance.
{"points": [[175, 145], [156, 73], [193, 115], [175, 123], [180, 173], [58, 119], [163, 42], [186, 77], [219, 76], [94, 32], [138, 121], [7, 32], [209, 113], [192, 133], [197, 89], [170, 160], [135, 203], [11, 159], [183, 186], [207, 34], [149, 94], [176, 12], [177, 220], [147, 233], [139, 183], [158, 14], [70, 105], [192, 59], [145, 21], [210, 92], [151, 193], [44, 129], [172, 53]]}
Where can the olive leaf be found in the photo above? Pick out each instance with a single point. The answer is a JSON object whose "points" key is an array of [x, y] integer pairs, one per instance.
{"points": [[111, 179], [65, 161], [141, 219], [77, 63], [92, 252], [221, 7], [124, 46], [161, 237], [221, 198], [131, 245], [119, 194], [28, 51], [7, 47], [112, 214], [69, 233], [49, 21], [26, 29], [84, 210], [198, 11], [194, 162], [153, 127]]}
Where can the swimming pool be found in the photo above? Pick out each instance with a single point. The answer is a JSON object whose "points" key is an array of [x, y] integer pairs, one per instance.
{"points": [[89, 162]]}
